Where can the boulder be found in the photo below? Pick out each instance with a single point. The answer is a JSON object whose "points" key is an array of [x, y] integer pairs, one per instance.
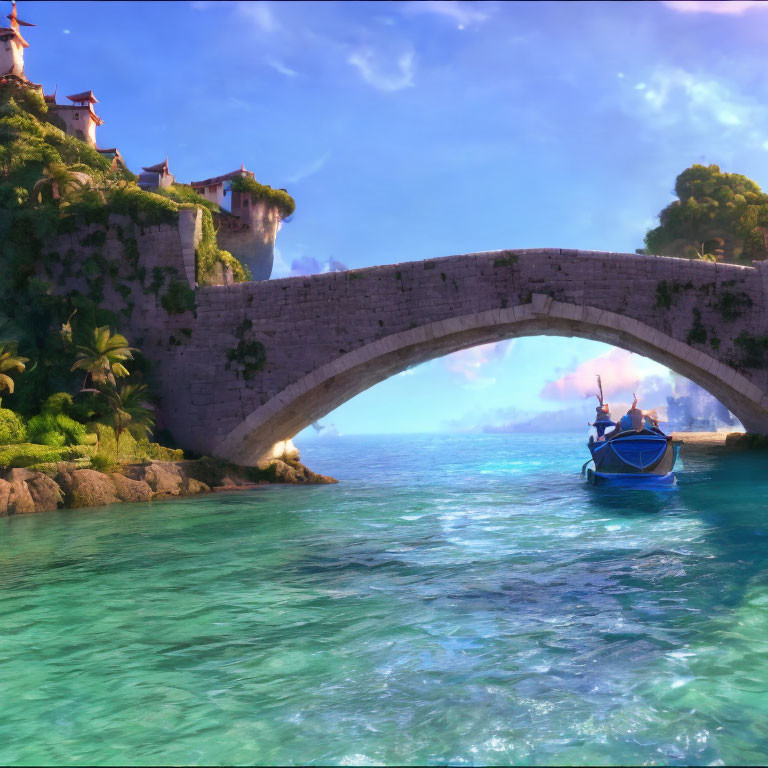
{"points": [[87, 488], [190, 486], [163, 477], [45, 493], [131, 490], [285, 473], [5, 492], [20, 501]]}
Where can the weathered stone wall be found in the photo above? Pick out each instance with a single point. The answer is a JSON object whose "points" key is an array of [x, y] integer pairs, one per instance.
{"points": [[126, 267], [252, 240], [328, 337], [325, 338]]}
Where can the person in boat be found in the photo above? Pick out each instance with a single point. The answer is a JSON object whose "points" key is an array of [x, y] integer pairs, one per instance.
{"points": [[633, 418], [602, 414], [651, 420], [602, 420]]}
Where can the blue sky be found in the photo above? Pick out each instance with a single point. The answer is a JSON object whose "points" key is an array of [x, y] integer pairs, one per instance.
{"points": [[412, 130]]}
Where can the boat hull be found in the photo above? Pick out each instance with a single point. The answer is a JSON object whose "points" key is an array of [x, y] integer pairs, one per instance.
{"points": [[635, 480], [634, 456]]}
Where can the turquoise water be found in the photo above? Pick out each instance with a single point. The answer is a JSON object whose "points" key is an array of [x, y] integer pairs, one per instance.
{"points": [[465, 600]]}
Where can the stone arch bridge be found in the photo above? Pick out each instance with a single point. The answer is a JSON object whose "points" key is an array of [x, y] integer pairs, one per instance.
{"points": [[328, 337]]}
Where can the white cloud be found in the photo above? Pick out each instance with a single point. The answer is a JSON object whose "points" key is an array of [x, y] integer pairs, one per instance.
{"points": [[310, 169], [674, 95], [728, 7], [383, 76], [260, 14], [309, 265], [468, 363], [463, 14], [278, 66], [66, 31]]}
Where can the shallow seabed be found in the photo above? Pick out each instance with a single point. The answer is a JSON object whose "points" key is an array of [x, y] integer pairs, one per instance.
{"points": [[463, 600]]}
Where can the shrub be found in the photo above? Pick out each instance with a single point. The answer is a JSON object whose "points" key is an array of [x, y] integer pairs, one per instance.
{"points": [[240, 272], [55, 429], [11, 427], [60, 402], [102, 463], [51, 438], [183, 193], [27, 454], [208, 255], [278, 198], [143, 207]]}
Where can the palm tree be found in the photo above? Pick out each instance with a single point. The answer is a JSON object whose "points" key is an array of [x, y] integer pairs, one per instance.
{"points": [[10, 361], [129, 409], [60, 181], [102, 357]]}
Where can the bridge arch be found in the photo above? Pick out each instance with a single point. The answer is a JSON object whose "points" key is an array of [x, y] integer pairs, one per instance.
{"points": [[327, 387]]}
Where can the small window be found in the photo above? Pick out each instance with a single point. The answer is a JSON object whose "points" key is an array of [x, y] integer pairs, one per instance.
{"points": [[77, 115], [245, 201]]}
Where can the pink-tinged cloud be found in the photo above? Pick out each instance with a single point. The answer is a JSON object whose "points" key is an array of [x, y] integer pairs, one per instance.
{"points": [[729, 7], [619, 371], [469, 362]]}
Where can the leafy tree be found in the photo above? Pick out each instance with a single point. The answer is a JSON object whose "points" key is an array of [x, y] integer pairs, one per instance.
{"points": [[10, 361], [717, 217], [103, 355], [129, 409]]}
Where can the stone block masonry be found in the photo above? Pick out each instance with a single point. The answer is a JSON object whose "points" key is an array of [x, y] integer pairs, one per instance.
{"points": [[260, 361]]}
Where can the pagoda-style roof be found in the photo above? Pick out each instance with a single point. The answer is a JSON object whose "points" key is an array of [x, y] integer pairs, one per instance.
{"points": [[16, 22], [159, 168], [13, 16], [86, 96], [221, 179]]}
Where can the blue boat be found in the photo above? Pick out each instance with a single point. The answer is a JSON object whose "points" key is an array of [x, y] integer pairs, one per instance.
{"points": [[640, 458]]}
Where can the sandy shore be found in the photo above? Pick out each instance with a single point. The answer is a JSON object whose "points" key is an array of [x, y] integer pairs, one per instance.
{"points": [[701, 438]]}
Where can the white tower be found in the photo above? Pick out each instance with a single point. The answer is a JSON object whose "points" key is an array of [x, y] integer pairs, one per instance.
{"points": [[12, 46]]}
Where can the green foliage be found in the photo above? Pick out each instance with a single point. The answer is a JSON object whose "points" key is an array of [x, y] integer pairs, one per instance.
{"points": [[179, 298], [249, 353], [102, 356], [506, 261], [10, 362], [129, 410], [95, 239], [240, 272], [717, 217], [731, 305], [58, 404], [102, 462], [208, 256], [753, 350], [131, 449], [666, 293], [29, 454], [698, 333], [278, 198], [56, 429], [143, 207], [183, 193], [252, 355], [12, 428]]}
